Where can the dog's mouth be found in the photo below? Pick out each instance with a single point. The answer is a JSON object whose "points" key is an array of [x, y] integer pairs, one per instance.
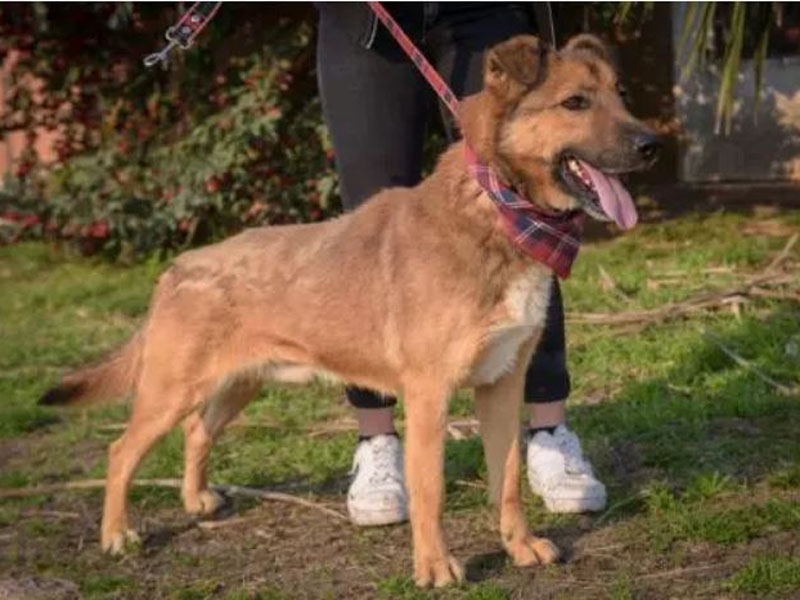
{"points": [[600, 195]]}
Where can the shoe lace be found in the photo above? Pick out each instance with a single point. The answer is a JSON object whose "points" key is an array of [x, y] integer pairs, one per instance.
{"points": [[570, 446], [384, 463]]}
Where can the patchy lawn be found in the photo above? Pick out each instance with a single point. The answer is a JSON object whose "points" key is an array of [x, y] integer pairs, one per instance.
{"points": [[700, 453]]}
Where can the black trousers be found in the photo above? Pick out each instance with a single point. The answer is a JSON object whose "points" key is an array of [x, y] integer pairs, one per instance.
{"points": [[377, 106]]}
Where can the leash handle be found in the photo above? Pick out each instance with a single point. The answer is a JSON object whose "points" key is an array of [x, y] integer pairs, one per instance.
{"points": [[184, 32], [428, 72]]}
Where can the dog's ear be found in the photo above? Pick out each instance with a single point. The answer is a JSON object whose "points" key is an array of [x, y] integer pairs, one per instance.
{"points": [[594, 45], [514, 66]]}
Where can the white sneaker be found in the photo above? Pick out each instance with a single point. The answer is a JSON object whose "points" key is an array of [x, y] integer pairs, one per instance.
{"points": [[377, 495], [559, 474]]}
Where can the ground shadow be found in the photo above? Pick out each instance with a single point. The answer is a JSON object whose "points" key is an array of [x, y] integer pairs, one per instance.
{"points": [[739, 426]]}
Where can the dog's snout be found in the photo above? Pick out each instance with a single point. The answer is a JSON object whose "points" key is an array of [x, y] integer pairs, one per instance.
{"points": [[647, 145]]}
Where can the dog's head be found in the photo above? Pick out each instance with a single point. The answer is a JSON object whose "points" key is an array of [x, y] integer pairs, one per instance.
{"points": [[558, 127]]}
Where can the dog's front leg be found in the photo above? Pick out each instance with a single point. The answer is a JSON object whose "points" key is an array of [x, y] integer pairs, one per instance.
{"points": [[426, 414], [497, 407]]}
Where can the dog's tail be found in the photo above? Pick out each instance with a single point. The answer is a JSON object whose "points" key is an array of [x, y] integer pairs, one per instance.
{"points": [[110, 378]]}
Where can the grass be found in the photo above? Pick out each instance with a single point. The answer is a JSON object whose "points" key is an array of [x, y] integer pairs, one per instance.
{"points": [[699, 455], [767, 576]]}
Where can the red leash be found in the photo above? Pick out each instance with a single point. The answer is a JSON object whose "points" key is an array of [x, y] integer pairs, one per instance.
{"points": [[428, 72], [551, 240]]}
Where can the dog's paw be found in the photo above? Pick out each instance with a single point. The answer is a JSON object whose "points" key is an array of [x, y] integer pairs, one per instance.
{"points": [[205, 502], [117, 542], [531, 550], [438, 572]]}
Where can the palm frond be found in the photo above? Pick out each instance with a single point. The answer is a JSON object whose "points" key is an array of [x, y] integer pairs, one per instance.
{"points": [[730, 69], [760, 57], [701, 24]]}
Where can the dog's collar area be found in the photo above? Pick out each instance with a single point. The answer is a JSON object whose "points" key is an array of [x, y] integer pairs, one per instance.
{"points": [[552, 239]]}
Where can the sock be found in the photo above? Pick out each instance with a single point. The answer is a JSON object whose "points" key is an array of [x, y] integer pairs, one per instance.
{"points": [[532, 431], [364, 438]]}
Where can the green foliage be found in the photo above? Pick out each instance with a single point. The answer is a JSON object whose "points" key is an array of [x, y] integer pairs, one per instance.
{"points": [[767, 576], [170, 160]]}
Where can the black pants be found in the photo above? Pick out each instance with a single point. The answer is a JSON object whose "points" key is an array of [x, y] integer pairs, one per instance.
{"points": [[377, 106]]}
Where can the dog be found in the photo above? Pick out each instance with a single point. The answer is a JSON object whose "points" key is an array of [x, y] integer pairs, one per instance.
{"points": [[426, 280]]}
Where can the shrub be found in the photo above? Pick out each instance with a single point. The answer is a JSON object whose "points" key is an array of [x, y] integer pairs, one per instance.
{"points": [[154, 161]]}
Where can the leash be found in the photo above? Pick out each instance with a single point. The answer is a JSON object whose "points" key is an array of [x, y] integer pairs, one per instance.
{"points": [[551, 240], [544, 19], [184, 32]]}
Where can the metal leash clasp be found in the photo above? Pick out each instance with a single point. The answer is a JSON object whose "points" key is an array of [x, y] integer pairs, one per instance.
{"points": [[183, 33], [156, 57]]}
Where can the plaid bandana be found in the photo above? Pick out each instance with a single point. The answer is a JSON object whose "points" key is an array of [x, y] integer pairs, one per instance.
{"points": [[551, 240]]}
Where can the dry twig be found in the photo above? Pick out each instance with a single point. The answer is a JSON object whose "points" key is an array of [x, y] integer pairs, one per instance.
{"points": [[782, 254], [675, 310], [232, 490], [752, 286]]}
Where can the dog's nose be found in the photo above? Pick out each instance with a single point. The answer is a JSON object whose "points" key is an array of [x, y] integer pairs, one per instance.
{"points": [[647, 145]]}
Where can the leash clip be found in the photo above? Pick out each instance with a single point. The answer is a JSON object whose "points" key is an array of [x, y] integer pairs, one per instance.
{"points": [[185, 31], [156, 57]]}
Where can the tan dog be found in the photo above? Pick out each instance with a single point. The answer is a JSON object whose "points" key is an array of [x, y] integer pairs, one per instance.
{"points": [[424, 278]]}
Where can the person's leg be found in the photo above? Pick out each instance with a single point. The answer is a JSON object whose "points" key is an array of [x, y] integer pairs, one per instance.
{"points": [[460, 34], [374, 104], [557, 469]]}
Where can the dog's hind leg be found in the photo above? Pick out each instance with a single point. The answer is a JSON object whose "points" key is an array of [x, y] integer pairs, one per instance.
{"points": [[497, 407], [200, 429], [154, 414], [426, 414]]}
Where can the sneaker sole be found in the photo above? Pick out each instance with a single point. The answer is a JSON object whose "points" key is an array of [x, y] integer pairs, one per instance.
{"points": [[374, 518], [575, 505]]}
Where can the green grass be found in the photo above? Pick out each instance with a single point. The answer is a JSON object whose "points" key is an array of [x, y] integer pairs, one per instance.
{"points": [[699, 455], [768, 576]]}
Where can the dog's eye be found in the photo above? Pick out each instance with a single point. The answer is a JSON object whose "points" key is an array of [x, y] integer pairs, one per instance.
{"points": [[576, 103]]}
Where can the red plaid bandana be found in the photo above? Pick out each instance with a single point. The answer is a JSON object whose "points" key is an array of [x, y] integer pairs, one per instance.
{"points": [[551, 240]]}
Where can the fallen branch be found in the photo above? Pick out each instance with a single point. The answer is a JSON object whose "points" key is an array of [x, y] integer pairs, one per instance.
{"points": [[743, 362], [775, 294], [470, 484], [782, 254], [231, 490], [754, 286], [679, 309], [245, 492]]}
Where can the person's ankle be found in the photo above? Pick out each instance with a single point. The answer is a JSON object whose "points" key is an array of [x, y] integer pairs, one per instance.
{"points": [[363, 437], [532, 431]]}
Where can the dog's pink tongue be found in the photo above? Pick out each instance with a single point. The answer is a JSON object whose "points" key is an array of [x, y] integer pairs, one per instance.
{"points": [[614, 198]]}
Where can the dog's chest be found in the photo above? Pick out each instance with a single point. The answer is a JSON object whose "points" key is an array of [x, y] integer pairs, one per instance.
{"points": [[525, 310]]}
